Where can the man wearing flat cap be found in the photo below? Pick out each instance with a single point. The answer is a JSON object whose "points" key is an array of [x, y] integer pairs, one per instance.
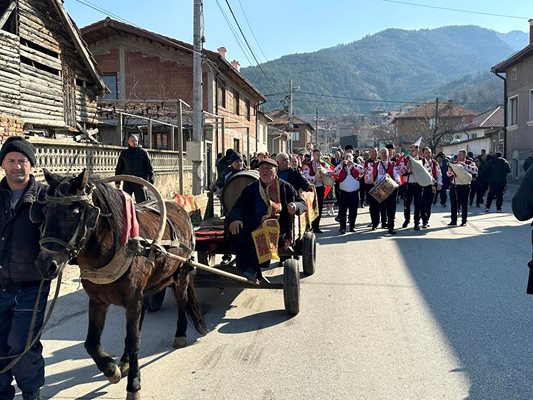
{"points": [[19, 277], [263, 211]]}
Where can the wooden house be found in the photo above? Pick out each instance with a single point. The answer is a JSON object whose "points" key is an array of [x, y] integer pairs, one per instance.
{"points": [[48, 79]]}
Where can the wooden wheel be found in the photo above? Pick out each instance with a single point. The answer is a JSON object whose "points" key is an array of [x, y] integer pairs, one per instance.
{"points": [[291, 286]]}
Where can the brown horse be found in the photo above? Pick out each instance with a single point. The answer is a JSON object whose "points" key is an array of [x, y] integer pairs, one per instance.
{"points": [[85, 218]]}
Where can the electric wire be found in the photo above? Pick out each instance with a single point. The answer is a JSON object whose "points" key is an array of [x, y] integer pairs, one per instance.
{"points": [[454, 9], [252, 31], [245, 40], [239, 42]]}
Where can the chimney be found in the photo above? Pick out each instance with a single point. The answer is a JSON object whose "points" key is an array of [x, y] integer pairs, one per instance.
{"points": [[222, 51], [236, 64], [531, 31]]}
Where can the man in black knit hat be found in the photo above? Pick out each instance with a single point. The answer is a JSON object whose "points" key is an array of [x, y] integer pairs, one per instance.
{"points": [[19, 276]]}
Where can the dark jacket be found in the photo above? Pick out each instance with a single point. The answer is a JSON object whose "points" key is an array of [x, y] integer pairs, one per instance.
{"points": [[522, 202], [296, 179], [527, 163], [223, 177], [19, 237], [223, 165], [135, 161], [497, 170], [244, 209]]}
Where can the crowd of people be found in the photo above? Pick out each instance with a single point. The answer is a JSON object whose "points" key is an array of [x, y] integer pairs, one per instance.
{"points": [[345, 179]]}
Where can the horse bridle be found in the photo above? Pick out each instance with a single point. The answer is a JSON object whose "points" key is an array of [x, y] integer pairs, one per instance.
{"points": [[71, 246]]}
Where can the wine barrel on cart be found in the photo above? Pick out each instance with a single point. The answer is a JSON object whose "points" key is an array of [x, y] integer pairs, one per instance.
{"points": [[234, 186]]}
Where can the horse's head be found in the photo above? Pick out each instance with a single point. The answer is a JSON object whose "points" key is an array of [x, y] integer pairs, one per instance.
{"points": [[68, 215]]}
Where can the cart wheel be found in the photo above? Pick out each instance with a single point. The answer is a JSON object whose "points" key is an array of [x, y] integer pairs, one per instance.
{"points": [[206, 258], [309, 253], [154, 301], [291, 286]]}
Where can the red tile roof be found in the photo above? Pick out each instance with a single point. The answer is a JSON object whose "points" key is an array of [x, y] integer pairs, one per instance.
{"points": [[488, 119]]}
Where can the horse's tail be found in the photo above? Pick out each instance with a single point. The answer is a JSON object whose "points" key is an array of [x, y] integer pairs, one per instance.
{"points": [[193, 309]]}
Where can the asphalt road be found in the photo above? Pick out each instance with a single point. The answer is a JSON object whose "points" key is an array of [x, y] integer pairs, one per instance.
{"points": [[436, 314]]}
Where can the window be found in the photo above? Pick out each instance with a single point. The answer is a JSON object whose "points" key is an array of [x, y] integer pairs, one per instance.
{"points": [[221, 94], [513, 111], [236, 103], [237, 145], [248, 109], [110, 81]]}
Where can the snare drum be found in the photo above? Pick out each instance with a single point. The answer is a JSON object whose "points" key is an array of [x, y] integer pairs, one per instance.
{"points": [[383, 188]]}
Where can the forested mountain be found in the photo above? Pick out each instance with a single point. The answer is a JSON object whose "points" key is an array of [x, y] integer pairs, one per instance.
{"points": [[392, 67]]}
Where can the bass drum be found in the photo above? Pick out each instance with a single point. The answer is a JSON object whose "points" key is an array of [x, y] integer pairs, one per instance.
{"points": [[234, 186]]}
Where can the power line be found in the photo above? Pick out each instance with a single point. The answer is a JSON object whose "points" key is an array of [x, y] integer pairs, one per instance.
{"points": [[245, 40], [251, 30], [105, 12], [233, 32], [454, 9]]}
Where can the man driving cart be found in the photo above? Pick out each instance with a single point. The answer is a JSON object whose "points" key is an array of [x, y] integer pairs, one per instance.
{"points": [[261, 220]]}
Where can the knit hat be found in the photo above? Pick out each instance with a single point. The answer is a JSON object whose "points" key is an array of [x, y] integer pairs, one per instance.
{"points": [[235, 157], [20, 145]]}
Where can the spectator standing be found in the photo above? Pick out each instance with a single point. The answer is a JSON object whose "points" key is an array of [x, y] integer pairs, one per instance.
{"points": [[528, 161], [135, 161], [19, 277], [497, 171]]}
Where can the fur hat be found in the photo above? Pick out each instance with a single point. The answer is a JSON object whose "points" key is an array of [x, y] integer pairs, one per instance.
{"points": [[20, 145]]}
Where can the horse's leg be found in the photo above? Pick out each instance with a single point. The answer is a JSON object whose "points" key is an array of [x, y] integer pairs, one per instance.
{"points": [[133, 334], [180, 338], [104, 362], [125, 359]]}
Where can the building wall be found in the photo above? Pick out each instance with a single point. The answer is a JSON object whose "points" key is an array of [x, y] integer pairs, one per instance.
{"points": [[150, 71], [520, 137]]}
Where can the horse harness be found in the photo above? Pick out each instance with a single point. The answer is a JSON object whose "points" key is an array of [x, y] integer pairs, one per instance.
{"points": [[121, 262]]}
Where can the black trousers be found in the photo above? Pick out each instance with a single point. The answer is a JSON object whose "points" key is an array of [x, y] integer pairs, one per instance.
{"points": [[362, 191], [320, 197], [496, 190], [134, 188], [387, 210], [477, 188], [348, 201], [413, 194], [427, 202], [374, 207], [459, 196]]}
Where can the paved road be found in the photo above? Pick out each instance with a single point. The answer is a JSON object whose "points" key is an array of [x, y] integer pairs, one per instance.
{"points": [[436, 314]]}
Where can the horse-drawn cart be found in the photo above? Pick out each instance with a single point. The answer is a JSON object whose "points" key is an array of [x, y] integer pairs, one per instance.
{"points": [[211, 240]]}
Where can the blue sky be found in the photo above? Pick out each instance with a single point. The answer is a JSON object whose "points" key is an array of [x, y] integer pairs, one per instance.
{"points": [[280, 27]]}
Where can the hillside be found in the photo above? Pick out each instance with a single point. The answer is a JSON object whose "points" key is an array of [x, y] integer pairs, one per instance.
{"points": [[390, 67]]}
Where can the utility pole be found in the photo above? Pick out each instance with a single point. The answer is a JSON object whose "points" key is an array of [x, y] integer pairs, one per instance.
{"points": [[289, 118], [316, 128], [435, 128], [195, 148]]}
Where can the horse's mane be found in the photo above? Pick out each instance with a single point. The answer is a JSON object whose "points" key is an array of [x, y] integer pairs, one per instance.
{"points": [[109, 201]]}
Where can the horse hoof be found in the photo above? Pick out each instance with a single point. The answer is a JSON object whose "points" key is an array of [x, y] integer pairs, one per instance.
{"points": [[115, 378], [124, 369], [179, 342], [133, 396]]}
